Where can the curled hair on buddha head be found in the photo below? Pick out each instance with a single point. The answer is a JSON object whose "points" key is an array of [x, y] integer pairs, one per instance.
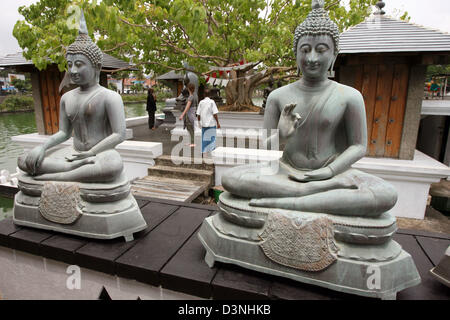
{"points": [[85, 46], [317, 23]]}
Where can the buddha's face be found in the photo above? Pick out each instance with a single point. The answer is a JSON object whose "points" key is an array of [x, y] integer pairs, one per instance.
{"points": [[81, 70], [315, 54]]}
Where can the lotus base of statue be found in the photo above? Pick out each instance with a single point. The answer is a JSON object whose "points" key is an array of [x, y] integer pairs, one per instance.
{"points": [[442, 271], [346, 254], [92, 210]]}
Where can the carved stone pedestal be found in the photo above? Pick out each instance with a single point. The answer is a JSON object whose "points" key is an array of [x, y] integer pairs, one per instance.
{"points": [[344, 275], [348, 254], [442, 271], [92, 210]]}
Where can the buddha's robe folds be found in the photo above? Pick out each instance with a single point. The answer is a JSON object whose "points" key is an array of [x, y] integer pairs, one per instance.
{"points": [[332, 134]]}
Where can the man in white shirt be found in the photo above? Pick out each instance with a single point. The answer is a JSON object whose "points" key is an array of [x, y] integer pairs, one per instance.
{"points": [[207, 118]]}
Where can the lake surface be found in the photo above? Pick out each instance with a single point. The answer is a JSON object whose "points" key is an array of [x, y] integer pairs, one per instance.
{"points": [[14, 124]]}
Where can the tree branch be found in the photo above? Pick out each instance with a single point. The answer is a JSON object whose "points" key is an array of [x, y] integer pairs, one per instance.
{"points": [[215, 59], [122, 44], [331, 5]]}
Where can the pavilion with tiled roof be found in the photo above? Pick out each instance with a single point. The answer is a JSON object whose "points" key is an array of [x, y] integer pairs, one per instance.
{"points": [[386, 59]]}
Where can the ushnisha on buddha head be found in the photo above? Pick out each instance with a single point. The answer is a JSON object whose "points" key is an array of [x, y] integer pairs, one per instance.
{"points": [[84, 58], [316, 43]]}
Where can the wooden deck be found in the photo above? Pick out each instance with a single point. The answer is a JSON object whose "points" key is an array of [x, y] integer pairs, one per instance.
{"points": [[168, 188], [169, 254]]}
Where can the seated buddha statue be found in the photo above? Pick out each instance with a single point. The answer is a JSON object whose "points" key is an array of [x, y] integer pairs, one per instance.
{"points": [[95, 116], [310, 216], [324, 124], [81, 189]]}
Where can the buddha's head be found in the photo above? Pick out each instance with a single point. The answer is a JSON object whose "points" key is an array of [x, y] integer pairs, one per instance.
{"points": [[84, 58], [316, 42]]}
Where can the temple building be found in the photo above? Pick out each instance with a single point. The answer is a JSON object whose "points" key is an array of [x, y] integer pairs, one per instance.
{"points": [[386, 59]]}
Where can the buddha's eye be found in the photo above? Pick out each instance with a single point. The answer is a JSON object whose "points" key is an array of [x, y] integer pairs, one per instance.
{"points": [[305, 48], [79, 64], [321, 48], [69, 64]]}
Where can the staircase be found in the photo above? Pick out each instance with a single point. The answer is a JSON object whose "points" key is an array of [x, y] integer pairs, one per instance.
{"points": [[180, 182]]}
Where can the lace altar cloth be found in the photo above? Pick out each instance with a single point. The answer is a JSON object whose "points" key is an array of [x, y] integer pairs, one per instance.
{"points": [[303, 244], [59, 202]]}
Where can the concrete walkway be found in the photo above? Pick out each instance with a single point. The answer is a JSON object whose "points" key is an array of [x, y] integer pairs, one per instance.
{"points": [[161, 134]]}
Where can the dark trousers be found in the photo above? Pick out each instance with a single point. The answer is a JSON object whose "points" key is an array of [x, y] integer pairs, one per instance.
{"points": [[151, 119]]}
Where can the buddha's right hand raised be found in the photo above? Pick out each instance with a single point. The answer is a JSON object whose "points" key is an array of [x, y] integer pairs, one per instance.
{"points": [[289, 121], [34, 159]]}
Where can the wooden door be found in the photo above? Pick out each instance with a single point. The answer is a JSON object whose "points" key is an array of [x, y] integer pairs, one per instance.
{"points": [[50, 80], [384, 88]]}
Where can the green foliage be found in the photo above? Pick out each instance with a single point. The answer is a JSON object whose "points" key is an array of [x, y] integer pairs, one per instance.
{"points": [[160, 34], [17, 102], [162, 92], [435, 70], [112, 86], [22, 86], [134, 97], [137, 87]]}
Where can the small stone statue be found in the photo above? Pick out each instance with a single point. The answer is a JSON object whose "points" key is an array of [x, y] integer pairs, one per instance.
{"points": [[91, 169], [189, 77], [311, 211]]}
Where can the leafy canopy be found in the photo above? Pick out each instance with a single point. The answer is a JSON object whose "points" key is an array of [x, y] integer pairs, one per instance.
{"points": [[159, 34]]}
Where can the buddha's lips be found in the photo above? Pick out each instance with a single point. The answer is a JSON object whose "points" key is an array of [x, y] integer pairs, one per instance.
{"points": [[313, 66]]}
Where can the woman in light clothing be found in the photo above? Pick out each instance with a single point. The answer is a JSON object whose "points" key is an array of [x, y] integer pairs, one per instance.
{"points": [[207, 119]]}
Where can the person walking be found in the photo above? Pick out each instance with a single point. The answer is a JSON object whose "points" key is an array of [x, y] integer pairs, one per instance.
{"points": [[207, 117], [151, 108], [188, 114]]}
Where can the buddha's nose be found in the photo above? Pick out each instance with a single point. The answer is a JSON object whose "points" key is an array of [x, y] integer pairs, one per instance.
{"points": [[312, 57]]}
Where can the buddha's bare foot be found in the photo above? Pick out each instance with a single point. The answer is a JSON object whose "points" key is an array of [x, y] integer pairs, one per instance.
{"points": [[268, 203], [90, 160]]}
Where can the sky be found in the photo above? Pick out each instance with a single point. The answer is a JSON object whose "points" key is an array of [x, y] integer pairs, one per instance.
{"points": [[432, 13]]}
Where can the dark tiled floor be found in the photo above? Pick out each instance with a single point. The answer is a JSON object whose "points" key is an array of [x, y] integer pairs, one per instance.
{"points": [[168, 253]]}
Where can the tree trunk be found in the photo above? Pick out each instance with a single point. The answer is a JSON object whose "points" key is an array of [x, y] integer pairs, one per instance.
{"points": [[240, 91]]}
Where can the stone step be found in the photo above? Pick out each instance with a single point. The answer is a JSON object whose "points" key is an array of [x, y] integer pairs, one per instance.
{"points": [[182, 173], [184, 162], [168, 188]]}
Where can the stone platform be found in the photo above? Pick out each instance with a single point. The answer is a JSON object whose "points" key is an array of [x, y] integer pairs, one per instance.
{"points": [[345, 275], [93, 210], [33, 260]]}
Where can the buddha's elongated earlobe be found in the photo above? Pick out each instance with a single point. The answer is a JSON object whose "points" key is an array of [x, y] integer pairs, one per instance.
{"points": [[298, 71], [331, 73]]}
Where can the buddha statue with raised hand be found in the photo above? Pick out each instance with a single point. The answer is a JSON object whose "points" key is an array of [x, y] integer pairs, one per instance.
{"points": [[311, 211], [64, 188]]}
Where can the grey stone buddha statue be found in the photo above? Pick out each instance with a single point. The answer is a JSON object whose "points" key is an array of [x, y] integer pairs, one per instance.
{"points": [[310, 216], [64, 188], [96, 117], [324, 124]]}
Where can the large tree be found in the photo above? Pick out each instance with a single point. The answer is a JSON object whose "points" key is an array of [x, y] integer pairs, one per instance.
{"points": [[158, 35]]}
